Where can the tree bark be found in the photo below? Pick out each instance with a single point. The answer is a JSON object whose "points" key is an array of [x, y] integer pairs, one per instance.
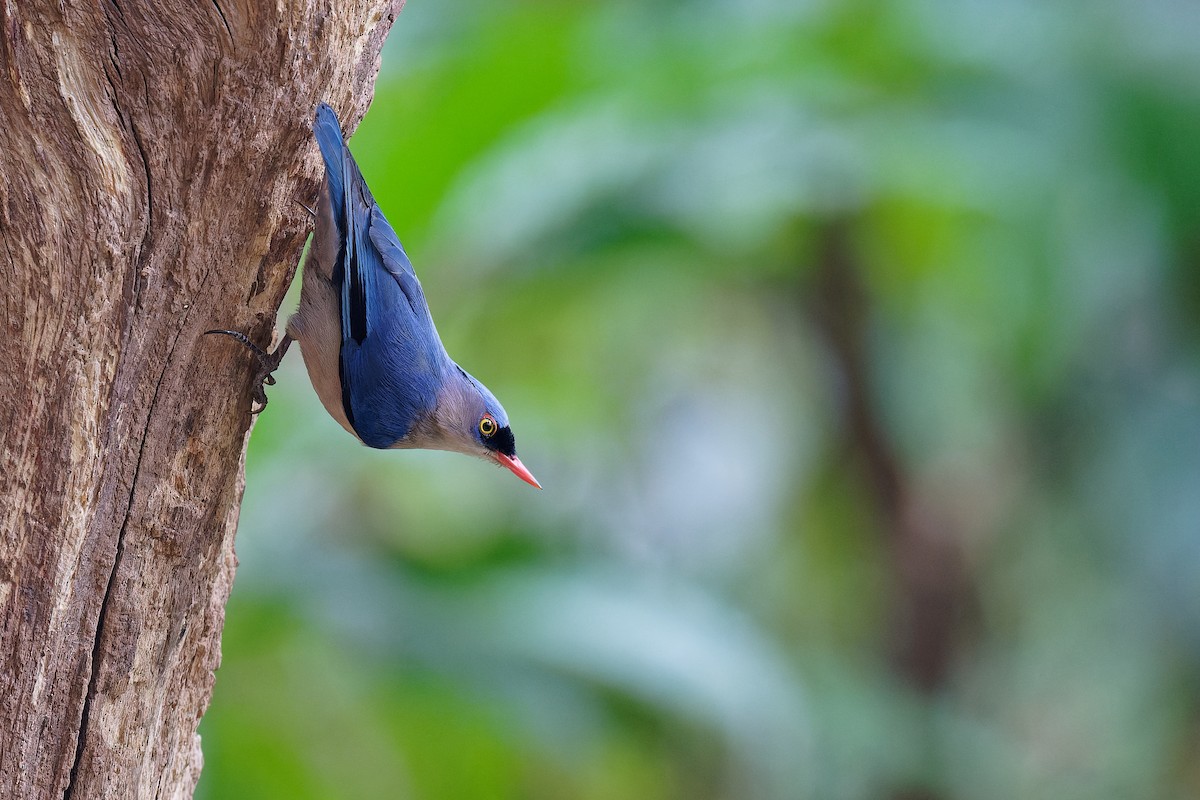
{"points": [[153, 157]]}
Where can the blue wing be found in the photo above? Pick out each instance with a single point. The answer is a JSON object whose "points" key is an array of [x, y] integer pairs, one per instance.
{"points": [[392, 361]]}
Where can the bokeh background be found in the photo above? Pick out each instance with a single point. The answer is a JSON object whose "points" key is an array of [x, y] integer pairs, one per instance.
{"points": [[856, 344]]}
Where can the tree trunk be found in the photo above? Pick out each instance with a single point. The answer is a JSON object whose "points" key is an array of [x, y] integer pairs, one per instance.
{"points": [[153, 156]]}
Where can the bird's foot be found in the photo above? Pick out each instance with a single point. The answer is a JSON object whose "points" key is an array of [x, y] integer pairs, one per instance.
{"points": [[267, 364], [311, 212]]}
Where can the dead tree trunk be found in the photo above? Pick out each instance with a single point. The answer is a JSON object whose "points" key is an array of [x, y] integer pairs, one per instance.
{"points": [[152, 154]]}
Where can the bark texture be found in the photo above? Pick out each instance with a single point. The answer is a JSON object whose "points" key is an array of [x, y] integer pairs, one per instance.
{"points": [[152, 154]]}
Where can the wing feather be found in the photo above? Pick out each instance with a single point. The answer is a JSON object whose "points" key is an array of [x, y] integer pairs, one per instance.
{"points": [[392, 362]]}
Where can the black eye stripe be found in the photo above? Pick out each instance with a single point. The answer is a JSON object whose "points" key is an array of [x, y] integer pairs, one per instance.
{"points": [[502, 442]]}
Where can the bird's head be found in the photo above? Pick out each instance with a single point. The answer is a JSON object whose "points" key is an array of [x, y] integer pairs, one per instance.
{"points": [[469, 419]]}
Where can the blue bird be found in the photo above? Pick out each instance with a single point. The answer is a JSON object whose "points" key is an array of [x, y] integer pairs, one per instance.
{"points": [[368, 340]]}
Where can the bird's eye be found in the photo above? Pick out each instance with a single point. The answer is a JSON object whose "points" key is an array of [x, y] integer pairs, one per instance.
{"points": [[487, 426]]}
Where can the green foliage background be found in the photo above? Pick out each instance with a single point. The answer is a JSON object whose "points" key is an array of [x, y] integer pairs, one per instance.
{"points": [[626, 217]]}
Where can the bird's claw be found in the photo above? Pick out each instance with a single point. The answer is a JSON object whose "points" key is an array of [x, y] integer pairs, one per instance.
{"points": [[267, 364], [310, 211]]}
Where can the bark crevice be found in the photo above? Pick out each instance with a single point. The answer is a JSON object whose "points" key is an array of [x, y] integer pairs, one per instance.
{"points": [[93, 673], [224, 21]]}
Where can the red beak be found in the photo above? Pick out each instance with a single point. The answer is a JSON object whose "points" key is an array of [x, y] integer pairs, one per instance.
{"points": [[518, 469]]}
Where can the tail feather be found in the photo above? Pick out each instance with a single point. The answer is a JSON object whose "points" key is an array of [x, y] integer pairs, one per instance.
{"points": [[329, 137]]}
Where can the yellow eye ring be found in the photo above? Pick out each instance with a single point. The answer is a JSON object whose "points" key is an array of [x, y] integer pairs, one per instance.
{"points": [[487, 426]]}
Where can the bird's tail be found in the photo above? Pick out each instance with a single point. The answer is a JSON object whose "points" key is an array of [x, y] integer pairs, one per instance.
{"points": [[332, 144]]}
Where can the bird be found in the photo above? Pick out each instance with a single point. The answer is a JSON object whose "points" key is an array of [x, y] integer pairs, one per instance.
{"points": [[366, 334]]}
